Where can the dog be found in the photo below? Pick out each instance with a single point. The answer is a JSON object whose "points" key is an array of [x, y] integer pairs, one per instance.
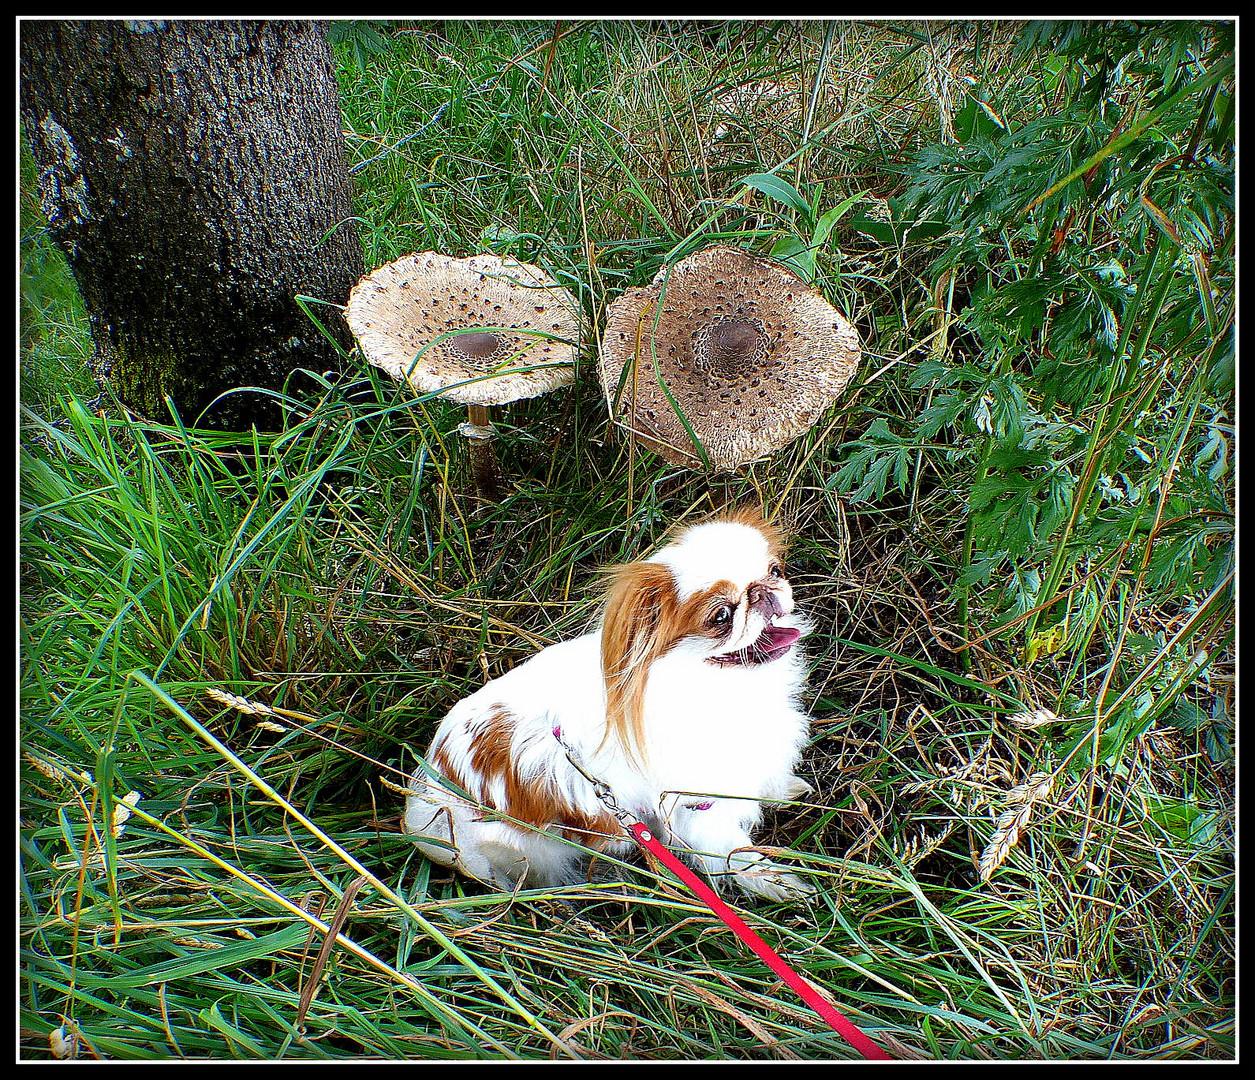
{"points": [[684, 701]]}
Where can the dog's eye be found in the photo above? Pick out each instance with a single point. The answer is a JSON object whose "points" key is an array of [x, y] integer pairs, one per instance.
{"points": [[721, 616], [776, 570]]}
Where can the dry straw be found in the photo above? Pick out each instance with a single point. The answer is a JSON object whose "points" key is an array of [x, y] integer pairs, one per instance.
{"points": [[1020, 802]]}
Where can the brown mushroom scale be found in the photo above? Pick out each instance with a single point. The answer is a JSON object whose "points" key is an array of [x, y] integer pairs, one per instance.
{"points": [[480, 352], [476, 346], [729, 348]]}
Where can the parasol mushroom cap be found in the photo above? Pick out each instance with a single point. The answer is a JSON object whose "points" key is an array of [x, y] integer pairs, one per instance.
{"points": [[750, 354], [480, 331]]}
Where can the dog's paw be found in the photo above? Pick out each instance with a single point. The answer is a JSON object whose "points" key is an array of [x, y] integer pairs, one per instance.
{"points": [[773, 882], [794, 788]]}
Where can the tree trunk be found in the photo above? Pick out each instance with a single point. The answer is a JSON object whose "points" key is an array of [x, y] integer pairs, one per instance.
{"points": [[194, 175]]}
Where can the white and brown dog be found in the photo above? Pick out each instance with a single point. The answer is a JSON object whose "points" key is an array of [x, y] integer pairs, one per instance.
{"points": [[684, 701]]}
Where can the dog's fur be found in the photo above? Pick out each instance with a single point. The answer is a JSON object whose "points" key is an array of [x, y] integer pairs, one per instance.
{"points": [[684, 700]]}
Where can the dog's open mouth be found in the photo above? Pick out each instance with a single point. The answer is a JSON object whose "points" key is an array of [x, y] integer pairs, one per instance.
{"points": [[772, 644]]}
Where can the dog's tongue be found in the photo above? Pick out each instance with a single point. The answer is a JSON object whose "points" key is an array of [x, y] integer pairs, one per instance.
{"points": [[772, 643], [776, 640]]}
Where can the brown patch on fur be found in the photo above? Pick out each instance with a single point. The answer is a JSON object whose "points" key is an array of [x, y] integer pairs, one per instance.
{"points": [[639, 602], [533, 800], [644, 621], [443, 764]]}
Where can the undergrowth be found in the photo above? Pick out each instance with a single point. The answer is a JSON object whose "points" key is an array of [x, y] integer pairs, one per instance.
{"points": [[1014, 534]]}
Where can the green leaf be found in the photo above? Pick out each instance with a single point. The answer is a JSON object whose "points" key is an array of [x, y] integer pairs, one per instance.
{"points": [[212, 1017], [1184, 820], [781, 191], [799, 255], [977, 120], [826, 223], [1186, 716], [883, 232], [1046, 643]]}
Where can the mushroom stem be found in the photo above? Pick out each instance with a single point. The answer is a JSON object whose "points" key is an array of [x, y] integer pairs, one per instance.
{"points": [[483, 458], [479, 331]]}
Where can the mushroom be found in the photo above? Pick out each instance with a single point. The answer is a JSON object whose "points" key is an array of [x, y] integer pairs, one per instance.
{"points": [[763, 102], [725, 358], [480, 331]]}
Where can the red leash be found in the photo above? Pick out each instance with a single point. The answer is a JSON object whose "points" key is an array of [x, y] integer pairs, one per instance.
{"points": [[804, 989], [734, 922]]}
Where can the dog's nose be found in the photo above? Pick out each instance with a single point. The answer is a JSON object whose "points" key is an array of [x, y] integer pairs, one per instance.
{"points": [[764, 599]]}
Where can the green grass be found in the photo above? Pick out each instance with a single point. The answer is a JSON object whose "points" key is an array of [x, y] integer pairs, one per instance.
{"points": [[1024, 503]]}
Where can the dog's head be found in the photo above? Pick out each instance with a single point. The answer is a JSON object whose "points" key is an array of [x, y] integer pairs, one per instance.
{"points": [[715, 594]]}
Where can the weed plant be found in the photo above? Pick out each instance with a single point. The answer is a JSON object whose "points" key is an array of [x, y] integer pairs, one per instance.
{"points": [[1015, 535]]}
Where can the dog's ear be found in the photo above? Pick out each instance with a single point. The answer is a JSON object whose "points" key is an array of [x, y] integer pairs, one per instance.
{"points": [[640, 608]]}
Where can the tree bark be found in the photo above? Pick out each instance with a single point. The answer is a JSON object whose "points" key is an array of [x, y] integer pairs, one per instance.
{"points": [[193, 173]]}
